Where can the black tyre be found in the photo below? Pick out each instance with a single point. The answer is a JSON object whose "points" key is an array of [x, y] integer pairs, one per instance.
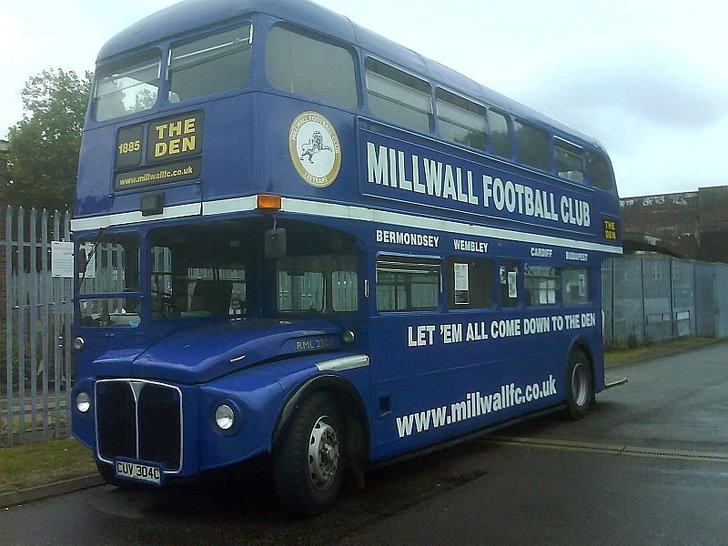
{"points": [[308, 463], [579, 384]]}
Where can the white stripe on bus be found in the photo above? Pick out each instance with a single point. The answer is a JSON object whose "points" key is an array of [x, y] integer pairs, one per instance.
{"points": [[349, 212]]}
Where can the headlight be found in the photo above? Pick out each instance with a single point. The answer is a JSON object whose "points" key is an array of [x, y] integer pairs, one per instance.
{"points": [[224, 417], [79, 343], [83, 402]]}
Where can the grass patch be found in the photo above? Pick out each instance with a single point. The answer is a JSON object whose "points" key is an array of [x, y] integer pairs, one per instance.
{"points": [[42, 463], [615, 357]]}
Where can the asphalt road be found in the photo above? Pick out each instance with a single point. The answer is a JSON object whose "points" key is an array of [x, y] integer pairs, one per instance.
{"points": [[649, 465]]}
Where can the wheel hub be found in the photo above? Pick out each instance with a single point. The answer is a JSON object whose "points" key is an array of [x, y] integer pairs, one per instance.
{"points": [[580, 384], [323, 453]]}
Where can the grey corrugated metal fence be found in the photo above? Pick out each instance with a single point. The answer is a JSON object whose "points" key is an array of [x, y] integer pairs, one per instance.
{"points": [[655, 298], [37, 312]]}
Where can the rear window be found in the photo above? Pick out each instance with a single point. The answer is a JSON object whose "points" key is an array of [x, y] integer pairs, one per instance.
{"points": [[212, 64], [598, 171], [127, 86]]}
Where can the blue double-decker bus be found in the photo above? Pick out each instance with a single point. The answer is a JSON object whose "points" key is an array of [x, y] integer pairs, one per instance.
{"points": [[302, 243]]}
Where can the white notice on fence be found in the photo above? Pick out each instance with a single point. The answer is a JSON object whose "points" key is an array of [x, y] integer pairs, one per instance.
{"points": [[62, 259]]}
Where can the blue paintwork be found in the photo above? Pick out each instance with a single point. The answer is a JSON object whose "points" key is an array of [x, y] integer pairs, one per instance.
{"points": [[245, 152], [202, 354]]}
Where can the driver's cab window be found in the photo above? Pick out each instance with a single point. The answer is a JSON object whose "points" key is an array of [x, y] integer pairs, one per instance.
{"points": [[195, 288]]}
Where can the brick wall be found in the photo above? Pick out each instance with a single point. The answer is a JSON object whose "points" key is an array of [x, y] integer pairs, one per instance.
{"points": [[691, 225]]}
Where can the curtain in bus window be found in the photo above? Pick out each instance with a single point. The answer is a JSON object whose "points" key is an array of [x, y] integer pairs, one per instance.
{"points": [[344, 291], [212, 64], [309, 67], [407, 284]]}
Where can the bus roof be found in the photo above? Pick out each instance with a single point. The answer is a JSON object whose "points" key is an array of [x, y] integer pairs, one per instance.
{"points": [[191, 15]]}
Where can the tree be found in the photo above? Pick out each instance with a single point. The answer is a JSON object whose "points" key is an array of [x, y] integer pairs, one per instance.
{"points": [[44, 145]]}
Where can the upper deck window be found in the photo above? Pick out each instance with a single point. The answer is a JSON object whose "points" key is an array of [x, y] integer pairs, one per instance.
{"points": [[397, 96], [500, 135], [598, 171], [212, 64], [309, 67], [533, 146], [460, 120], [569, 160], [127, 86]]}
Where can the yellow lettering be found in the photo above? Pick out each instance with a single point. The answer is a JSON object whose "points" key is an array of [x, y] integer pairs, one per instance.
{"points": [[188, 144], [175, 129], [189, 126], [160, 131], [174, 146], [160, 149]]}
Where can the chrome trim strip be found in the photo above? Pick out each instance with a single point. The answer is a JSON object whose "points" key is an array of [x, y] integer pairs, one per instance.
{"points": [[343, 364]]}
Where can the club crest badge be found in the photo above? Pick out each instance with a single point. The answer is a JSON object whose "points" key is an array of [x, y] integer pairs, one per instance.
{"points": [[314, 148]]}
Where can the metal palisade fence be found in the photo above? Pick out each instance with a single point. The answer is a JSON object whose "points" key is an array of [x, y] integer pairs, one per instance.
{"points": [[652, 298], [35, 333]]}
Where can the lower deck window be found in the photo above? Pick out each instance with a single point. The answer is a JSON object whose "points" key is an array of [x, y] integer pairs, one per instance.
{"points": [[575, 285], [406, 284], [471, 284], [541, 285]]}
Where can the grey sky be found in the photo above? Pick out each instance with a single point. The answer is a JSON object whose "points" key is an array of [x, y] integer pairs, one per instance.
{"points": [[646, 78]]}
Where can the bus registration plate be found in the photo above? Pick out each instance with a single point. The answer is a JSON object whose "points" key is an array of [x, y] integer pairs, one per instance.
{"points": [[139, 472]]}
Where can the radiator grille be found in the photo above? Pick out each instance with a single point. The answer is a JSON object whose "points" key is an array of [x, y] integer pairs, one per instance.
{"points": [[139, 420]]}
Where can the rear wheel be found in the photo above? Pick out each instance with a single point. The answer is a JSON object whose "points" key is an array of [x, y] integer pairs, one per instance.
{"points": [[308, 465], [580, 385]]}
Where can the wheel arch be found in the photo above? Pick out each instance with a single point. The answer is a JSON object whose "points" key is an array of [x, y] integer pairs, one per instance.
{"points": [[350, 403], [581, 344]]}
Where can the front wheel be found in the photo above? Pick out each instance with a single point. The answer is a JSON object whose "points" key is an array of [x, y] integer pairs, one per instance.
{"points": [[580, 385], [308, 465]]}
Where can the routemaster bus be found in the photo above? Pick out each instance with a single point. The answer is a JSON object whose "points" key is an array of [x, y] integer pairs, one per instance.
{"points": [[299, 242]]}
